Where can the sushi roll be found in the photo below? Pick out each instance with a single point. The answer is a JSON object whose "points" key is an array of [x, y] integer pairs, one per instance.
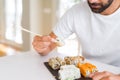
{"points": [[69, 72], [56, 62], [87, 69], [74, 60]]}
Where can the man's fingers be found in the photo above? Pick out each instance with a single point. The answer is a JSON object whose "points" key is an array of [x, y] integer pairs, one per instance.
{"points": [[41, 45], [111, 77], [43, 51], [100, 75], [42, 38], [46, 38], [37, 38]]}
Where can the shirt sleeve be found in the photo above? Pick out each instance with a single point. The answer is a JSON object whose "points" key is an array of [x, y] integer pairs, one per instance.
{"points": [[64, 27]]}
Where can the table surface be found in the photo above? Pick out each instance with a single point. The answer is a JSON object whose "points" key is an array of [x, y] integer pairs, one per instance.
{"points": [[30, 66]]}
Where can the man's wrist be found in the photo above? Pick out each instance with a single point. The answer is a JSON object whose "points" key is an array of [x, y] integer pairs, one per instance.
{"points": [[52, 35], [57, 40]]}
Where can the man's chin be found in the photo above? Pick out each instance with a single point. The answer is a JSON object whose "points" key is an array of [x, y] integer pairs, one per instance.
{"points": [[96, 11]]}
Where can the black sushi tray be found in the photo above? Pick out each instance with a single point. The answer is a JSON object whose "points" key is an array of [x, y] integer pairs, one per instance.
{"points": [[55, 73]]}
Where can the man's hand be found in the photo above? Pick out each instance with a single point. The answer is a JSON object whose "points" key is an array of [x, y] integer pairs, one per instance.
{"points": [[43, 44], [104, 76]]}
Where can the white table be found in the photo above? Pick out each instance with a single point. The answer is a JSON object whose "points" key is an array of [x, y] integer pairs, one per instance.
{"points": [[29, 66]]}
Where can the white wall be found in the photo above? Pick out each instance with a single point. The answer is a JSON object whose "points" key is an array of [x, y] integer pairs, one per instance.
{"points": [[1, 19], [35, 18], [39, 17], [26, 24]]}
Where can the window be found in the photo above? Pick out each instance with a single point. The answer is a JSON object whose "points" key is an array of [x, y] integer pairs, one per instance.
{"points": [[13, 13]]}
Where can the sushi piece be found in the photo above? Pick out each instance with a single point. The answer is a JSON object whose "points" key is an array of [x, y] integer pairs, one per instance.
{"points": [[56, 62], [69, 72], [87, 69], [74, 60]]}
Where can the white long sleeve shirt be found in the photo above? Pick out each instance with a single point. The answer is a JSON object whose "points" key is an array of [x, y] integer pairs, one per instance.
{"points": [[98, 34]]}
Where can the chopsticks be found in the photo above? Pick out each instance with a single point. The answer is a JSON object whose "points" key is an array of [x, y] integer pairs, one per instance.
{"points": [[29, 31], [52, 39]]}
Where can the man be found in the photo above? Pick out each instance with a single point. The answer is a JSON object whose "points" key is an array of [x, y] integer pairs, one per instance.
{"points": [[97, 25]]}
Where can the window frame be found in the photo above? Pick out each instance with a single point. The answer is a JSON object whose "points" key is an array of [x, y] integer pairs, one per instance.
{"points": [[3, 39]]}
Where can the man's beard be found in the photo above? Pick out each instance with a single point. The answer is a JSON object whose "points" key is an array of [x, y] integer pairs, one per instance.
{"points": [[99, 7]]}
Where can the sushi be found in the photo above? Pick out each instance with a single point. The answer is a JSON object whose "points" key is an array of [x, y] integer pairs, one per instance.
{"points": [[69, 72], [87, 69]]}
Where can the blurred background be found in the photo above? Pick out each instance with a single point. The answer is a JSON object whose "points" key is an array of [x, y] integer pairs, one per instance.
{"points": [[38, 16]]}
